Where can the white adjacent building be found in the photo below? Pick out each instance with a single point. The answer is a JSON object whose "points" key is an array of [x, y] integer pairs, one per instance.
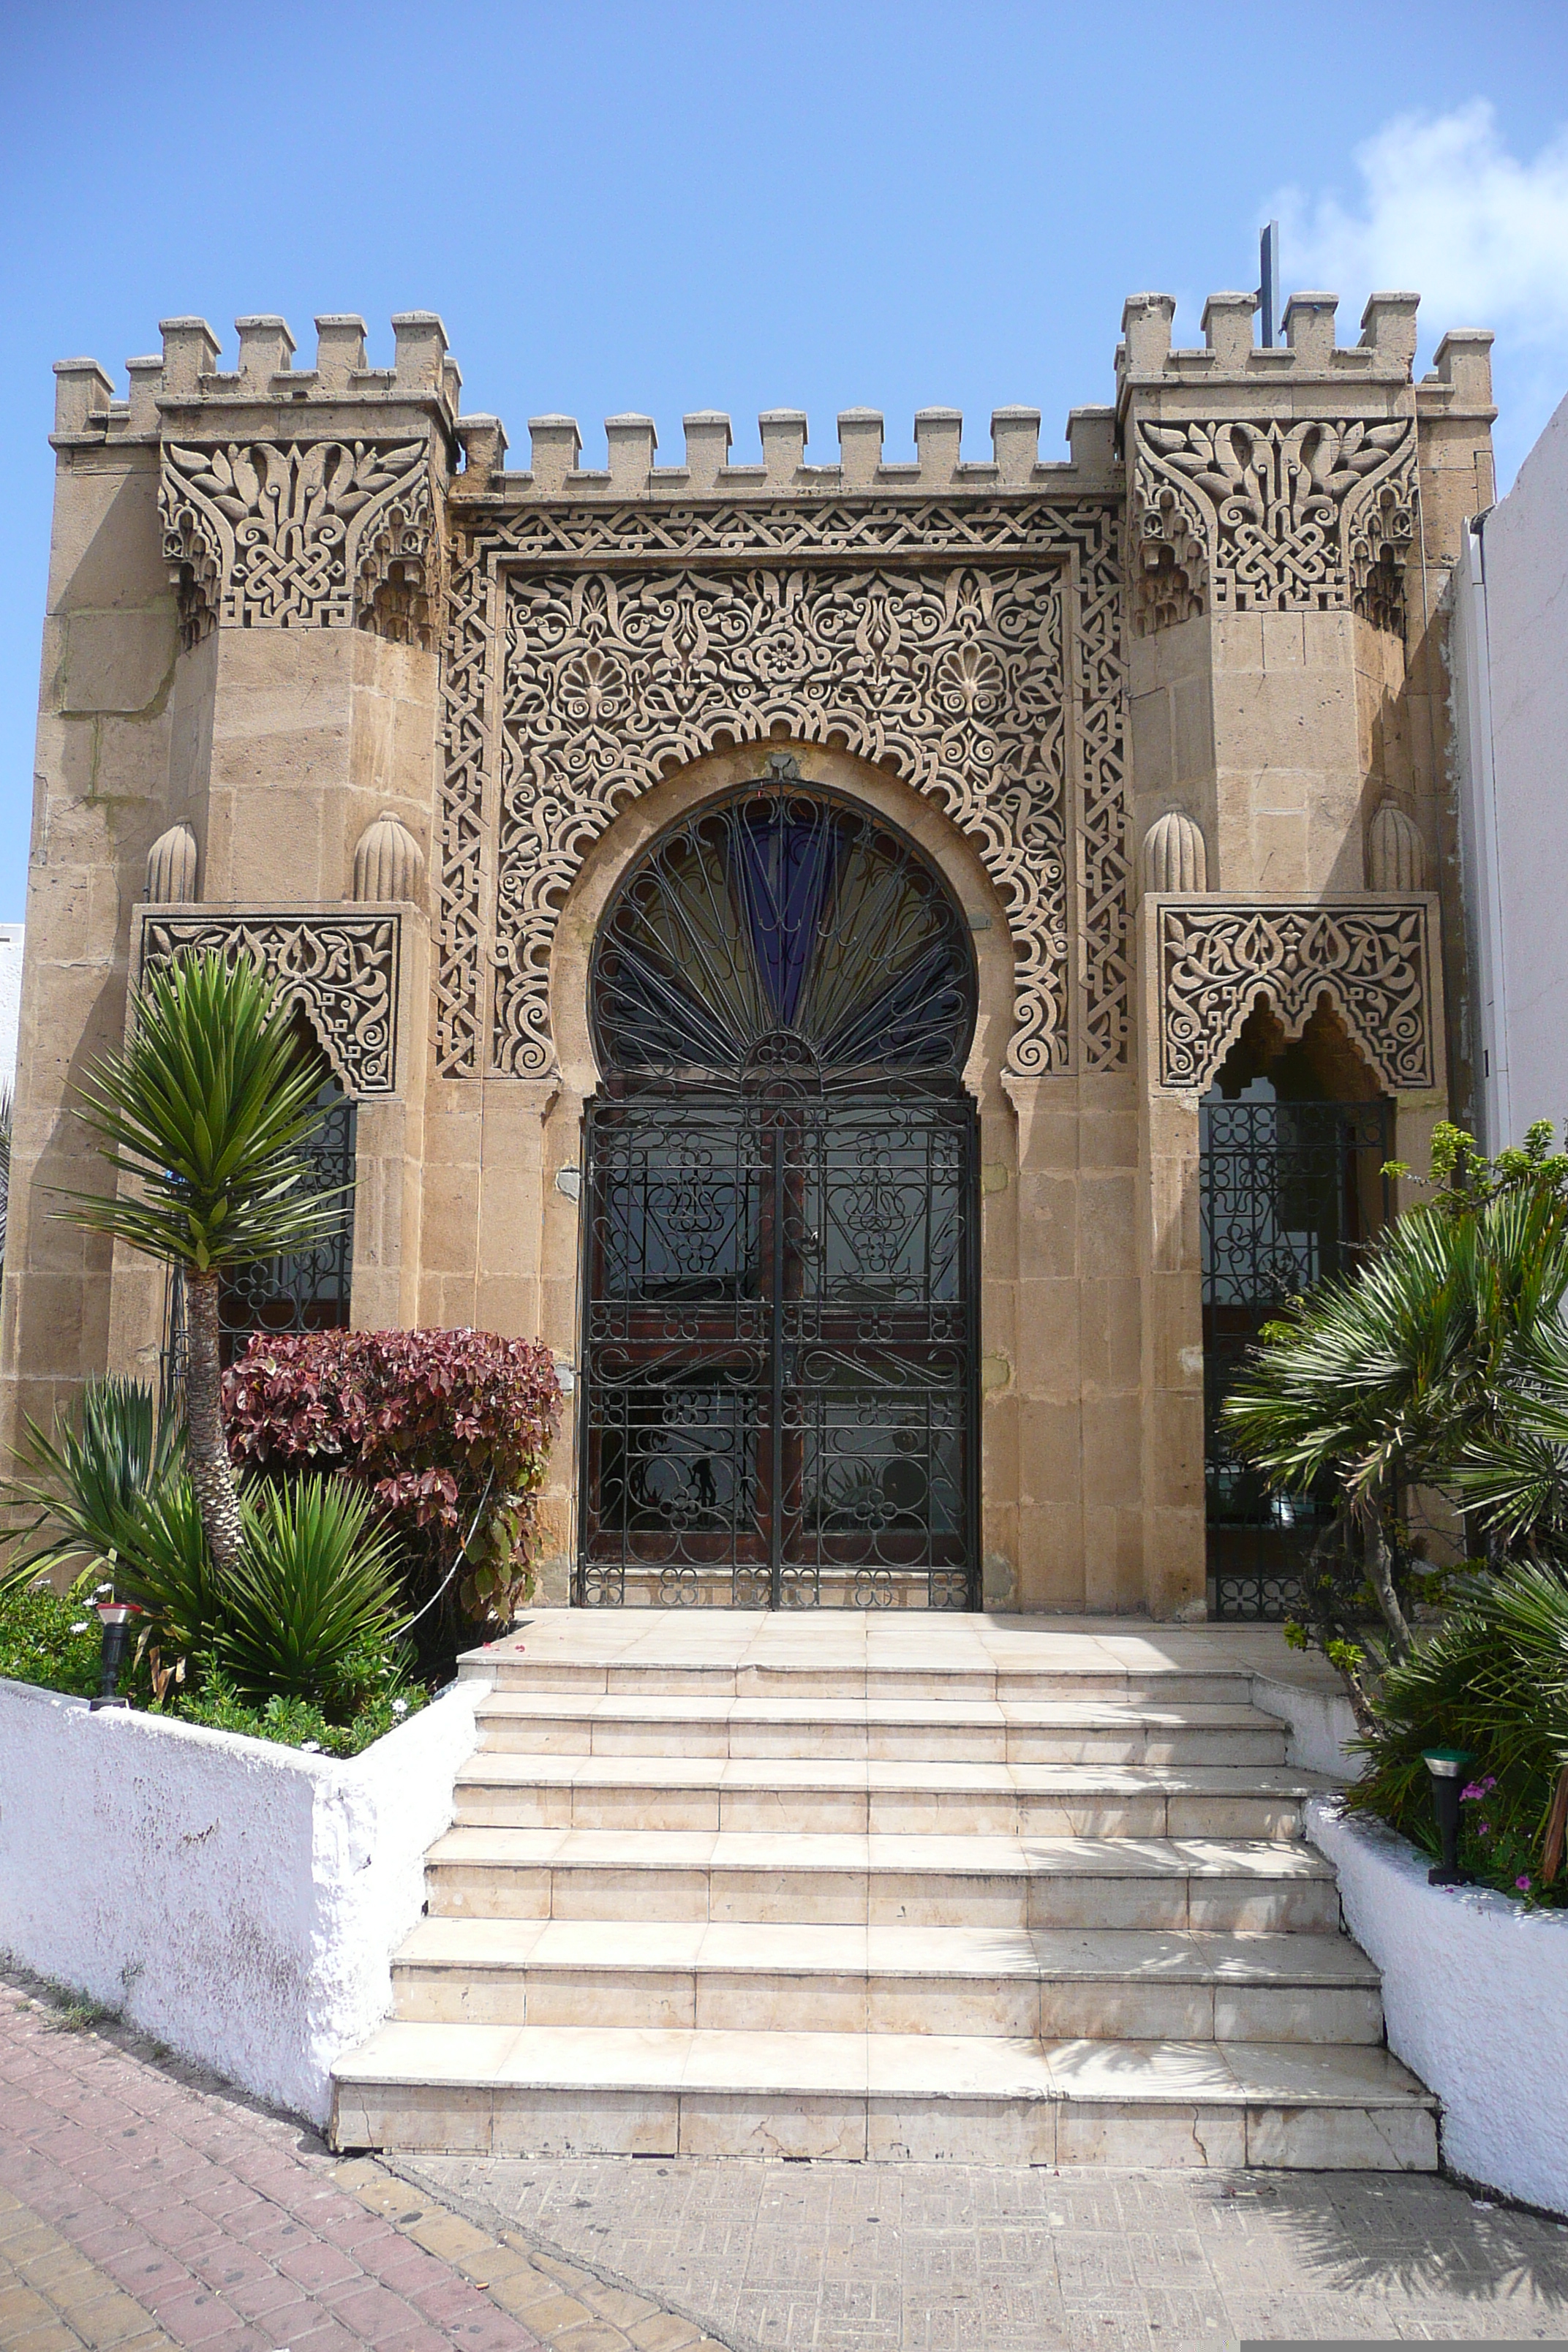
{"points": [[1509, 658]]}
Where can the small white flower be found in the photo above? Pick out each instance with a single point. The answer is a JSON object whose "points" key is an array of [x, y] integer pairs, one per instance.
{"points": [[309, 1747], [400, 1707], [100, 1588], [81, 1628]]}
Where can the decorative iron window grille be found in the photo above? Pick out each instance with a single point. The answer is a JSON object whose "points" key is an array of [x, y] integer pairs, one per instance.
{"points": [[308, 1290], [1290, 1192], [778, 1393]]}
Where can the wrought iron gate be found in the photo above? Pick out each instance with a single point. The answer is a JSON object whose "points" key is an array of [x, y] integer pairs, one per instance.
{"points": [[778, 1367], [778, 1379], [1292, 1191]]}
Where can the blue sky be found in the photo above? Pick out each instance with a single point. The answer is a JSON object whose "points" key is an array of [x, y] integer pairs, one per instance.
{"points": [[679, 206]]}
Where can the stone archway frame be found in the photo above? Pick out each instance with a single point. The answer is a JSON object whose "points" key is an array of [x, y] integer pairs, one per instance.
{"points": [[1210, 958], [611, 856], [971, 646], [341, 966]]}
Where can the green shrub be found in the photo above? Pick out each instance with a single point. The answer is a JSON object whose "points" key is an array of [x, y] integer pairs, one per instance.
{"points": [[294, 1722], [1492, 1680], [310, 1606], [51, 1639]]}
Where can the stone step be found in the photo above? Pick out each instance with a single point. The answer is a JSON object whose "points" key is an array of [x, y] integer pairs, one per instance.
{"points": [[977, 1731], [971, 1880], [813, 1675], [1017, 1981], [834, 1795], [938, 1593], [600, 2090]]}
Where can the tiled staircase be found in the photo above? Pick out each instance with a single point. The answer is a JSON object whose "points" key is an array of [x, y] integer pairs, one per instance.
{"points": [[931, 1889]]}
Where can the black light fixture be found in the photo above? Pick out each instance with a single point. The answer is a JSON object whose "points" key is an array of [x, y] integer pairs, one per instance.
{"points": [[1446, 1766], [115, 1617]]}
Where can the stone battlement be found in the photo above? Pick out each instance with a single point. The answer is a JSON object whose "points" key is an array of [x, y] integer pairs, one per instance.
{"points": [[166, 386], [1384, 356], [183, 393]]}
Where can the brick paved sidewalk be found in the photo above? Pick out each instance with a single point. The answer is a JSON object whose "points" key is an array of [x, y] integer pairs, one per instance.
{"points": [[144, 2207], [780, 2257]]}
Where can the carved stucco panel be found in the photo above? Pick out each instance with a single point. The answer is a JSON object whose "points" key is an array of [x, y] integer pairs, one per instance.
{"points": [[1374, 962], [297, 534], [976, 649], [1271, 515], [341, 968]]}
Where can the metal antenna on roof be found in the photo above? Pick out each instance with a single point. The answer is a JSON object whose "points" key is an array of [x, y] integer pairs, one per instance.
{"points": [[1268, 288]]}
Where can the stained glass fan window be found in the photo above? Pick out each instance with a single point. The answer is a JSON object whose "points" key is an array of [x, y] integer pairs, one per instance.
{"points": [[782, 931]]}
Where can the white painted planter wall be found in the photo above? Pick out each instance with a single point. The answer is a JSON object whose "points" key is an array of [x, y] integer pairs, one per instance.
{"points": [[1475, 1990], [236, 1899]]}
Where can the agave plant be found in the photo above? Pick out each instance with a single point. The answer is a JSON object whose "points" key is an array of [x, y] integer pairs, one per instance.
{"points": [[82, 1483], [200, 1116], [314, 1588]]}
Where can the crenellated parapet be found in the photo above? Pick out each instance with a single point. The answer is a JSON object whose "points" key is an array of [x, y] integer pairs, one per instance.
{"points": [[938, 467], [289, 497]]}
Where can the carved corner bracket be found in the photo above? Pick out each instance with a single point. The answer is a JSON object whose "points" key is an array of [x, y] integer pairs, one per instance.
{"points": [[1373, 959], [342, 970], [1273, 514], [297, 534]]}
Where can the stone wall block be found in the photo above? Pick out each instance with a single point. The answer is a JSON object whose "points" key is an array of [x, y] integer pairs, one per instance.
{"points": [[1015, 442], [1388, 327], [707, 444], [859, 447], [340, 350]]}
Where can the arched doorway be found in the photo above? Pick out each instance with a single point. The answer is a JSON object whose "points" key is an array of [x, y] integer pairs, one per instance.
{"points": [[778, 1393], [1294, 1136]]}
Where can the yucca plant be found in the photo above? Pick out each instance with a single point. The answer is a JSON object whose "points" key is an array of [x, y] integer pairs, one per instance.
{"points": [[202, 1116], [82, 1482], [314, 1588]]}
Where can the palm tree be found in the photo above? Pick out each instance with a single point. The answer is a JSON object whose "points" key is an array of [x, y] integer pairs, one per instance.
{"points": [[1392, 1377], [206, 1107]]}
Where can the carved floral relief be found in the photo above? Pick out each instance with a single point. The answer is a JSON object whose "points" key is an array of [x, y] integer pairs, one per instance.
{"points": [[1372, 960], [975, 651], [341, 968]]}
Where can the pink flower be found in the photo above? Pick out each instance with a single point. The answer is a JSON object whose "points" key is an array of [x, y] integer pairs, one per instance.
{"points": [[1523, 1883], [1477, 1788], [1483, 1829]]}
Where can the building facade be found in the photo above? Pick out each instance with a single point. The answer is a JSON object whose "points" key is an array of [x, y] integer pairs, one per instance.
{"points": [[886, 968]]}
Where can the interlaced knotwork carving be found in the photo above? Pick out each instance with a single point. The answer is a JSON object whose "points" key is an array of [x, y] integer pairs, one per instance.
{"points": [[1373, 964], [298, 534], [343, 969], [1275, 515], [937, 638]]}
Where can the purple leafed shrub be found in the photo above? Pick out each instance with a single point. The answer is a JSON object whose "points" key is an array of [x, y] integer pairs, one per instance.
{"points": [[449, 1430]]}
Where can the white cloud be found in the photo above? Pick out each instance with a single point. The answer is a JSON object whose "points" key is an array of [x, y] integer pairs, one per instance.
{"points": [[1445, 209]]}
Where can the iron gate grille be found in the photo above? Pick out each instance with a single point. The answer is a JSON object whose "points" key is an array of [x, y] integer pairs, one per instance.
{"points": [[778, 1358], [1292, 1191]]}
